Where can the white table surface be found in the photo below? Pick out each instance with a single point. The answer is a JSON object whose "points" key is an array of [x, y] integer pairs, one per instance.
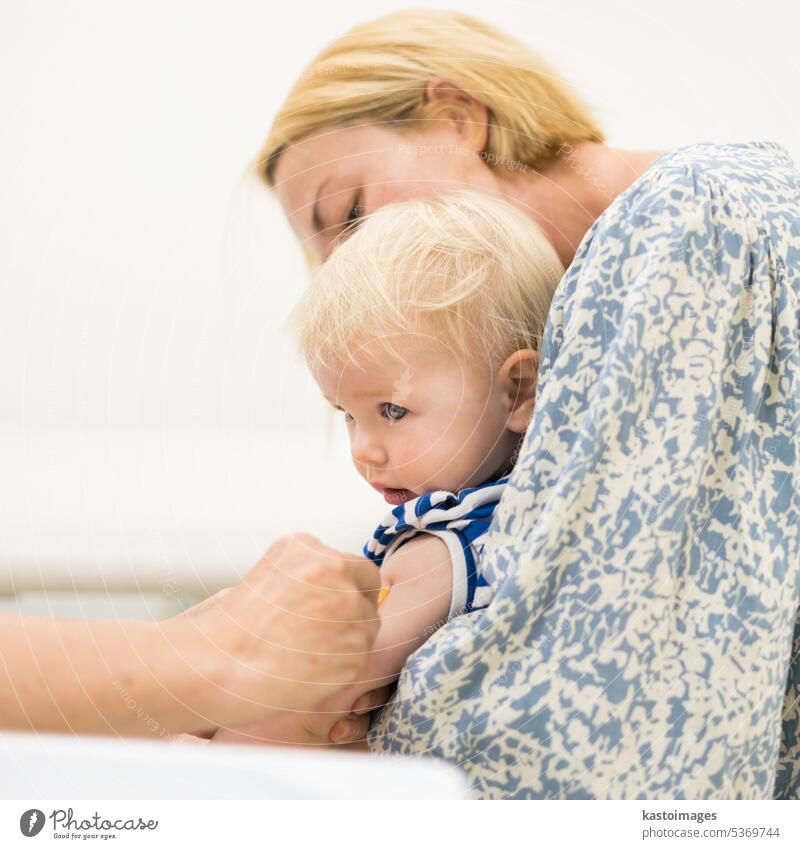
{"points": [[55, 766]]}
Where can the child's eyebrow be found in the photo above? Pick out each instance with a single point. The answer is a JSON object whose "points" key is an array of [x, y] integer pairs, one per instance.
{"points": [[377, 393]]}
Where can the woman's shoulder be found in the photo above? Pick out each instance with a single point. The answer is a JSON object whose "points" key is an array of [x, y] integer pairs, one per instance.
{"points": [[753, 174], [750, 184], [712, 156], [746, 179]]}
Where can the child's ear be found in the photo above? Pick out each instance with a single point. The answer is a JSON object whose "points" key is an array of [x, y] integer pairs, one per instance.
{"points": [[517, 378]]}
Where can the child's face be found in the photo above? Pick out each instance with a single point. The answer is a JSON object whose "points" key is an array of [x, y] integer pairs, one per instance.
{"points": [[426, 422]]}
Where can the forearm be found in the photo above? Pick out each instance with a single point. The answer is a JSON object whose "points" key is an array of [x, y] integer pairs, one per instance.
{"points": [[102, 677]]}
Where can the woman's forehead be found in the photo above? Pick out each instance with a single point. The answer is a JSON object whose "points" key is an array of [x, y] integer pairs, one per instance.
{"points": [[317, 154], [297, 174]]}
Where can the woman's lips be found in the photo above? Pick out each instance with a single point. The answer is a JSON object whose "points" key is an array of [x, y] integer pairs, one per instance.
{"points": [[396, 496]]}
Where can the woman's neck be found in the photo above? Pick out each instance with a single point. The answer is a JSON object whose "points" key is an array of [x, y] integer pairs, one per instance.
{"points": [[571, 193]]}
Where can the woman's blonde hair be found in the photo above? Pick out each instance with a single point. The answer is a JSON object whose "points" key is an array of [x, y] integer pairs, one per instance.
{"points": [[377, 73], [467, 269]]}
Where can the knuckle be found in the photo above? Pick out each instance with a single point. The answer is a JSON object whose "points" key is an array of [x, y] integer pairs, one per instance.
{"points": [[304, 539], [296, 540]]}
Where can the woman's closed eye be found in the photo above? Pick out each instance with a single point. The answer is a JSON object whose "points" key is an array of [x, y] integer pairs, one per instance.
{"points": [[354, 215], [351, 219]]}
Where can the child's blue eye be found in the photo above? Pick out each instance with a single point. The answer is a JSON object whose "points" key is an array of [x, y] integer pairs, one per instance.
{"points": [[394, 412]]}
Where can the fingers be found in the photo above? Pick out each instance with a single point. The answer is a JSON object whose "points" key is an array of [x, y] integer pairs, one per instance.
{"points": [[349, 729], [312, 562], [354, 726], [369, 701], [188, 738]]}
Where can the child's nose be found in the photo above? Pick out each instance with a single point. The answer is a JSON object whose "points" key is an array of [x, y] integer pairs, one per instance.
{"points": [[366, 450]]}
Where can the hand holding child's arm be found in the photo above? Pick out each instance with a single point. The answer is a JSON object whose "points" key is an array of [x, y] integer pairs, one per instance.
{"points": [[419, 578]]}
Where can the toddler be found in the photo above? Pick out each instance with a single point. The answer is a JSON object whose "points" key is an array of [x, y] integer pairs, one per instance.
{"points": [[423, 329]]}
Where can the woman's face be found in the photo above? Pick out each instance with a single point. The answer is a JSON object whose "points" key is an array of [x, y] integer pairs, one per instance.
{"points": [[330, 179]]}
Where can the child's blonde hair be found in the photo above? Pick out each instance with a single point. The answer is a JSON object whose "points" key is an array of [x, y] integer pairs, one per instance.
{"points": [[468, 269], [377, 73]]}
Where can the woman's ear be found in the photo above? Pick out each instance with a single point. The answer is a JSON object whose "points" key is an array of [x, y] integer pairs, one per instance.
{"points": [[468, 116], [517, 381]]}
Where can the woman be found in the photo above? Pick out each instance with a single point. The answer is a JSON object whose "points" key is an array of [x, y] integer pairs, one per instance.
{"points": [[645, 555], [254, 647]]}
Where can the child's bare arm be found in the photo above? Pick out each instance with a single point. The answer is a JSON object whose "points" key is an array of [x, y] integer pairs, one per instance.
{"points": [[419, 578]]}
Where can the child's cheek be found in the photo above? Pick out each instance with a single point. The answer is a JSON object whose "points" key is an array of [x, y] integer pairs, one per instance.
{"points": [[422, 463], [412, 450], [406, 457]]}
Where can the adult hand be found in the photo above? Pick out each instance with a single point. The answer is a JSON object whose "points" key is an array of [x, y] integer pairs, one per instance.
{"points": [[296, 629]]}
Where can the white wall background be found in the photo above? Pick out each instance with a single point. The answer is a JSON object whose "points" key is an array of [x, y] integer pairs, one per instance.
{"points": [[144, 279]]}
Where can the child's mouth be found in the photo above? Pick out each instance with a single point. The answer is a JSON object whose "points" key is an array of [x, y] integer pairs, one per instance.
{"points": [[398, 496]]}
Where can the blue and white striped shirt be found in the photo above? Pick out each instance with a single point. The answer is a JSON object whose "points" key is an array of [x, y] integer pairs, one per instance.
{"points": [[459, 520]]}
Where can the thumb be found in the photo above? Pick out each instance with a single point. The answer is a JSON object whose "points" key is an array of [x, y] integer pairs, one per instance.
{"points": [[203, 606]]}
